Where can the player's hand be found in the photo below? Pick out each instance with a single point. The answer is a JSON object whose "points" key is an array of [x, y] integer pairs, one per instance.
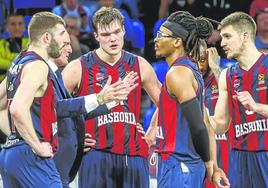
{"points": [[218, 177], [213, 58], [209, 169], [130, 80], [117, 91], [44, 150], [246, 100], [89, 142], [140, 130]]}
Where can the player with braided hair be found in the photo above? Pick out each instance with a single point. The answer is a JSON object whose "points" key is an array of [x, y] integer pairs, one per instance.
{"points": [[183, 139]]}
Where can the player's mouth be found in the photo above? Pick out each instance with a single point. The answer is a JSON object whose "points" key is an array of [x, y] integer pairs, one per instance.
{"points": [[114, 46]]}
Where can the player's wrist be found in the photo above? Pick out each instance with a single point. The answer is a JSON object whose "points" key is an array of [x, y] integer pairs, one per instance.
{"points": [[100, 98]]}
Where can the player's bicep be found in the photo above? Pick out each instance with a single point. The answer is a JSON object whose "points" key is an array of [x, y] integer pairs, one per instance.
{"points": [[33, 83], [3, 95], [72, 75], [179, 82], [149, 80], [222, 106]]}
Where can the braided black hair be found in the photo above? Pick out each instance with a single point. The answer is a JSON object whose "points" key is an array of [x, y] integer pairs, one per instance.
{"points": [[198, 27]]}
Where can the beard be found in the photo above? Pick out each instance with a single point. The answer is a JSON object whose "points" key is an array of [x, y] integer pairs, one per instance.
{"points": [[53, 49], [238, 52]]}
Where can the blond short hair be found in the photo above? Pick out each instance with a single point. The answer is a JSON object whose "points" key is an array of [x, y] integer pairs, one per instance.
{"points": [[42, 22]]}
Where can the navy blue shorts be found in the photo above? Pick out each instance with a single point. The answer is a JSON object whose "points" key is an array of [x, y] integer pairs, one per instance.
{"points": [[248, 169], [107, 170], [20, 167], [174, 173]]}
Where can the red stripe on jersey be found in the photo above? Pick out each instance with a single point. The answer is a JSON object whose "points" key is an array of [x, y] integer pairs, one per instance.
{"points": [[171, 108], [224, 152], [48, 115]]}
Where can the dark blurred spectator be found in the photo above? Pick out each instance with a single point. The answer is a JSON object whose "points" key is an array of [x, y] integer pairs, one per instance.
{"points": [[131, 5], [10, 47], [214, 9], [72, 7], [259, 11], [169, 6]]}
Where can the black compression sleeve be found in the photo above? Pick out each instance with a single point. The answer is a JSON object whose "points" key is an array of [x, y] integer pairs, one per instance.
{"points": [[191, 110]]}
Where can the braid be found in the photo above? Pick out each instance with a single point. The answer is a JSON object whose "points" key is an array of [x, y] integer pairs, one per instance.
{"points": [[199, 28]]}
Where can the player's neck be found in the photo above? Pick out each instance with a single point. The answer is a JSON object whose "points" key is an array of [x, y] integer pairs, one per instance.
{"points": [[40, 51], [249, 58], [108, 58]]}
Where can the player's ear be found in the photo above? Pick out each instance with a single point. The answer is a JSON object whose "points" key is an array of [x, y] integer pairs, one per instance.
{"points": [[96, 36]]}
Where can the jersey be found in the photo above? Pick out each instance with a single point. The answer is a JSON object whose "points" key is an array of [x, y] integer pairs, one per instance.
{"points": [[115, 132], [43, 109], [173, 133], [248, 130], [211, 97]]}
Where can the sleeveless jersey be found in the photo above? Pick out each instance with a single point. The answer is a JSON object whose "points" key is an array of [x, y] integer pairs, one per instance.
{"points": [[248, 130], [43, 109], [211, 97], [173, 133], [115, 132]]}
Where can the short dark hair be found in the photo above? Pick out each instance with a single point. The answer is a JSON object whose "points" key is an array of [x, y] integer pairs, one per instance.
{"points": [[13, 15], [241, 22]]}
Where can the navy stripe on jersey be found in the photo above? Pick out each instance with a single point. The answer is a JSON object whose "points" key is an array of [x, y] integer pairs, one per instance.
{"points": [[43, 109], [173, 133], [114, 132], [249, 130]]}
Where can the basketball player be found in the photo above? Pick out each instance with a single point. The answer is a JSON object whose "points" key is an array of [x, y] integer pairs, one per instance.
{"points": [[29, 92], [209, 67], [183, 142], [242, 103], [119, 157]]}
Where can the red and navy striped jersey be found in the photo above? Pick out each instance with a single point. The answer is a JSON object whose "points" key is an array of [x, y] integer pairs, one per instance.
{"points": [[43, 109], [173, 133], [248, 130], [211, 96], [115, 132]]}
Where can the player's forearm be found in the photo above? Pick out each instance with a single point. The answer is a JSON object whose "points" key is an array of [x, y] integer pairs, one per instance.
{"points": [[212, 141], [216, 71], [219, 125], [151, 132], [262, 109], [4, 122]]}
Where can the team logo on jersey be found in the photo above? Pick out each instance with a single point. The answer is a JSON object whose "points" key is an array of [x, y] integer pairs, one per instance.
{"points": [[15, 69], [261, 79], [100, 78], [214, 89]]}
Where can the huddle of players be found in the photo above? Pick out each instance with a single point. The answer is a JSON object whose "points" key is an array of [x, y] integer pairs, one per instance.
{"points": [[118, 155]]}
